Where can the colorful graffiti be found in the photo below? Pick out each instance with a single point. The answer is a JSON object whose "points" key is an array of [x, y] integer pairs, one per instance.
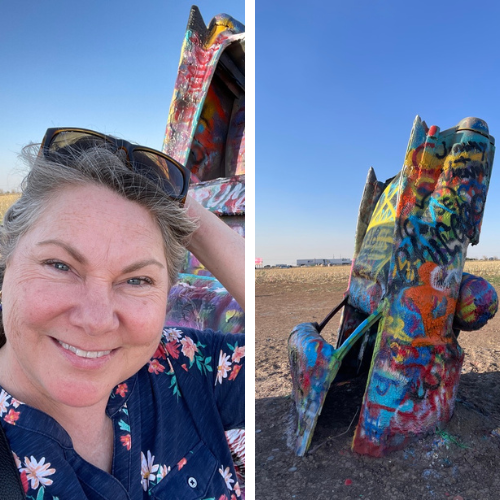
{"points": [[477, 303], [206, 132], [208, 98], [368, 279], [206, 123], [218, 147], [201, 302], [224, 196], [417, 359], [410, 257], [315, 364]]}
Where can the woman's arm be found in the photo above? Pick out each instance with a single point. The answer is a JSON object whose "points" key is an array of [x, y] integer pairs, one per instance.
{"points": [[220, 249]]}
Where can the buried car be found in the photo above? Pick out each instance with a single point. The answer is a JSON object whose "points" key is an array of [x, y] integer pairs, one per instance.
{"points": [[407, 297]]}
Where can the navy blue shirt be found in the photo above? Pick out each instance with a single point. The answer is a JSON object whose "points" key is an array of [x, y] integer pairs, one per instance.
{"points": [[169, 424]]}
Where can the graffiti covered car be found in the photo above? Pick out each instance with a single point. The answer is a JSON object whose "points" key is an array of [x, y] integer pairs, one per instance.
{"points": [[407, 297]]}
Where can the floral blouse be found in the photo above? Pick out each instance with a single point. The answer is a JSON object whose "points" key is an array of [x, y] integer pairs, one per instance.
{"points": [[169, 421]]}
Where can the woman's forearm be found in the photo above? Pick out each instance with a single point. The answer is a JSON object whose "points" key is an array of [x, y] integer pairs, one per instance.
{"points": [[220, 249]]}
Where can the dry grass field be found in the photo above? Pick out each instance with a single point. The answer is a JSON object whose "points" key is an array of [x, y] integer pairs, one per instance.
{"points": [[305, 275], [6, 200], [308, 276]]}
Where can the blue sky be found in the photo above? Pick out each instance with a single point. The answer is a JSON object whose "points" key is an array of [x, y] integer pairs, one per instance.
{"points": [[338, 85], [105, 65]]}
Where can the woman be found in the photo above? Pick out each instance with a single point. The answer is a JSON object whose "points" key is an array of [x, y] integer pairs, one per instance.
{"points": [[98, 400]]}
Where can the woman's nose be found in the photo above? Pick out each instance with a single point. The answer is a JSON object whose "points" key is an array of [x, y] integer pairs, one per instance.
{"points": [[95, 312]]}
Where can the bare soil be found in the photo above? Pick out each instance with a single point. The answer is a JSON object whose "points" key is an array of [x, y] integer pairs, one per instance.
{"points": [[462, 462]]}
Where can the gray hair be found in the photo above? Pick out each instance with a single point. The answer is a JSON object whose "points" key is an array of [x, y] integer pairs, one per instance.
{"points": [[99, 166]]}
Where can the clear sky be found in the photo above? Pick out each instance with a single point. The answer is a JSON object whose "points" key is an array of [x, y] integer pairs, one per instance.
{"points": [[106, 65], [338, 85]]}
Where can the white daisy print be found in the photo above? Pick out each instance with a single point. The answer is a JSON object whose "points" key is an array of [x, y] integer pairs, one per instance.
{"points": [[226, 475], [223, 368], [36, 472], [148, 469]]}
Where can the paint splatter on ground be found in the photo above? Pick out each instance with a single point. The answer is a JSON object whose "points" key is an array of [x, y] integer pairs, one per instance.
{"points": [[457, 463]]}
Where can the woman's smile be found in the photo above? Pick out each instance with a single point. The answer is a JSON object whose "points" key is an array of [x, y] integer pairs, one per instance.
{"points": [[84, 354], [82, 359]]}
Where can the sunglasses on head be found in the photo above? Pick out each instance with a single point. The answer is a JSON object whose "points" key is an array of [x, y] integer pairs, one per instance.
{"points": [[158, 167]]}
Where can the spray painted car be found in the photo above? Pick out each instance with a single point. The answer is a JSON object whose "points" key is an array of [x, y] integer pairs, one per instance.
{"points": [[408, 297], [206, 132]]}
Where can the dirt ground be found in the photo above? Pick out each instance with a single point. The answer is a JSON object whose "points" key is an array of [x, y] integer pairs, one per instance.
{"points": [[462, 462]]}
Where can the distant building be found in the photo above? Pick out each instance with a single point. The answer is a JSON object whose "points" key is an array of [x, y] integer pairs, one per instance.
{"points": [[312, 262], [323, 262], [340, 262]]}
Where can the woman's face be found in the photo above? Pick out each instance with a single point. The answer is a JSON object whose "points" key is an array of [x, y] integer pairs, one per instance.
{"points": [[84, 298]]}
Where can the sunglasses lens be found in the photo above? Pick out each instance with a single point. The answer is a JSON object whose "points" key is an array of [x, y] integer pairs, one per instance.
{"points": [[159, 170], [74, 140]]}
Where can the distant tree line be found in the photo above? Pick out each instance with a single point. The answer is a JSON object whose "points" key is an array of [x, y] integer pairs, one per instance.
{"points": [[12, 191], [484, 257]]}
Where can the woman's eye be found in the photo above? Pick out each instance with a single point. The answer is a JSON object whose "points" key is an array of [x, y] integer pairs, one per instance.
{"points": [[60, 266], [139, 281]]}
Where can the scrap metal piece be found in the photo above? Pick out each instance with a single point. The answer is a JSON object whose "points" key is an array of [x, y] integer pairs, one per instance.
{"points": [[314, 364]]}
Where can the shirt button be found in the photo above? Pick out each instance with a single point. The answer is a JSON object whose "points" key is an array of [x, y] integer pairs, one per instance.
{"points": [[192, 482]]}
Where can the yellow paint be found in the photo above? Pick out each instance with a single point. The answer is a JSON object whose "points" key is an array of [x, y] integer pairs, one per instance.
{"points": [[395, 328], [405, 267], [428, 161], [209, 107], [468, 312], [219, 28], [399, 358], [385, 211], [469, 156]]}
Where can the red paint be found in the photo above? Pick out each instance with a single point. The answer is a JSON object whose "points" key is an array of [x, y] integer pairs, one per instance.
{"points": [[418, 149], [377, 406], [432, 131]]}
